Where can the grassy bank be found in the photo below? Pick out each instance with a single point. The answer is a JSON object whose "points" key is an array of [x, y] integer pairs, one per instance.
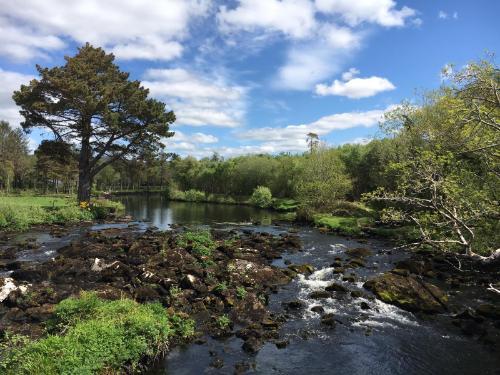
{"points": [[19, 212], [279, 204], [89, 335]]}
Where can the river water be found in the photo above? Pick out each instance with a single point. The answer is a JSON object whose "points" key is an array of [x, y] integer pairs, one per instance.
{"points": [[375, 338]]}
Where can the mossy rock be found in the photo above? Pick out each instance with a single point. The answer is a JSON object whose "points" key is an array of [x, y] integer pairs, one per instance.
{"points": [[408, 293]]}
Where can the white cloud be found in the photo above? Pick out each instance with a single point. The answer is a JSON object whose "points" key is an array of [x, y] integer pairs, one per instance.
{"points": [[30, 28], [443, 15], [197, 100], [194, 138], [354, 12], [293, 137], [294, 18], [355, 88], [9, 82], [359, 141]]}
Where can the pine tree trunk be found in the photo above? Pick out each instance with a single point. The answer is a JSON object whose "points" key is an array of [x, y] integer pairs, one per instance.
{"points": [[84, 175]]}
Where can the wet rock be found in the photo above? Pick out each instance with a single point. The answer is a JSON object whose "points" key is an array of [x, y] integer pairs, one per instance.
{"points": [[357, 294], [335, 287], [318, 309], [336, 264], [248, 309], [349, 278], [359, 252], [252, 345], [193, 282], [401, 272], [217, 363], [364, 306], [338, 270], [356, 262], [282, 344], [320, 294], [146, 294], [241, 368], [489, 311], [413, 266], [329, 320], [294, 305], [302, 268], [408, 293]]}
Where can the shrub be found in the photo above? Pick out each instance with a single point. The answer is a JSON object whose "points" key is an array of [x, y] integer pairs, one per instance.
{"points": [[241, 292], [194, 196], [261, 197], [99, 337], [200, 241], [223, 321]]}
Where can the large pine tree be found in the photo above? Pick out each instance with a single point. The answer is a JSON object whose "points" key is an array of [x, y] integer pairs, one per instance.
{"points": [[89, 101]]}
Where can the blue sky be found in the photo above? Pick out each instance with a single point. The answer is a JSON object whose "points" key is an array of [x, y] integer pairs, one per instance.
{"points": [[251, 76]]}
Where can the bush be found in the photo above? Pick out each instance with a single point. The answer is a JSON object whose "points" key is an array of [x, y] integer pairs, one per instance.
{"points": [[99, 337], [201, 242], [194, 195], [262, 197]]}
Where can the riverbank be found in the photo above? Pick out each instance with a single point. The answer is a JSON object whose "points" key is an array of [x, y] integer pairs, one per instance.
{"points": [[221, 279], [19, 212]]}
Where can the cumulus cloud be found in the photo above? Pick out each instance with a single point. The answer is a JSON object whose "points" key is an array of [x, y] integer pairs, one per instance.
{"points": [[9, 82], [293, 137], [194, 137], [146, 29], [198, 100], [293, 18], [355, 88], [382, 12]]}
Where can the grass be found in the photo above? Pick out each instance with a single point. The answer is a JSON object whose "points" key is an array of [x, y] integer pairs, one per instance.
{"points": [[22, 211], [344, 225], [91, 335], [285, 204], [200, 241]]}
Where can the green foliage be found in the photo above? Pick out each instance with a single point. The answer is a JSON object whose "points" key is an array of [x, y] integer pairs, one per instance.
{"points": [[221, 287], [241, 292], [96, 336], [200, 241], [194, 195], [323, 180], [344, 225], [20, 212], [262, 197], [223, 322]]}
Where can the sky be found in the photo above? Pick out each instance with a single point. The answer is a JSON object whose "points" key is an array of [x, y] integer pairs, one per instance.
{"points": [[255, 76]]}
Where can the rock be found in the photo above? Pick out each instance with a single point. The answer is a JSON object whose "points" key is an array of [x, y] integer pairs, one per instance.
{"points": [[302, 268], [359, 252], [349, 278], [294, 305], [364, 306], [401, 272], [247, 273], [252, 345], [336, 264], [489, 310], [357, 294], [192, 282], [248, 309], [217, 363], [328, 320], [40, 313], [318, 309], [319, 294], [6, 287], [356, 262], [146, 294], [282, 344], [413, 266], [269, 323], [334, 287], [338, 270], [408, 293]]}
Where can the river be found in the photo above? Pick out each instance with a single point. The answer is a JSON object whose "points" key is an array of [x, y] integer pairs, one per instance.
{"points": [[370, 337]]}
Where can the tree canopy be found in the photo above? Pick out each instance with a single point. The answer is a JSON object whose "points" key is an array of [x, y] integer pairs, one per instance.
{"points": [[90, 102]]}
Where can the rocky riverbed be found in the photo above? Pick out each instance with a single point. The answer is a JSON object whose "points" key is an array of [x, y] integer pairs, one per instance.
{"points": [[258, 288]]}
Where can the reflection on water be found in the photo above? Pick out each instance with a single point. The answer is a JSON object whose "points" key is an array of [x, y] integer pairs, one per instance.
{"points": [[162, 212]]}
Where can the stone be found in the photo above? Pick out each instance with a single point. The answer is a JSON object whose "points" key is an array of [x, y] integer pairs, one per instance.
{"points": [[329, 320], [252, 345], [364, 306], [282, 344], [320, 294], [318, 309], [359, 252], [488, 310], [302, 268], [334, 287], [408, 292]]}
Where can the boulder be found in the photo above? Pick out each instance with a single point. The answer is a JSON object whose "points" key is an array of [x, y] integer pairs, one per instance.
{"points": [[319, 294], [334, 287], [359, 252], [408, 292], [328, 320], [302, 268]]}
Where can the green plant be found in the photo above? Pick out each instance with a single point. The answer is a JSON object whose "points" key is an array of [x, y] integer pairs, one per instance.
{"points": [[223, 321], [221, 287], [261, 197], [241, 292], [200, 241], [90, 335], [175, 291]]}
